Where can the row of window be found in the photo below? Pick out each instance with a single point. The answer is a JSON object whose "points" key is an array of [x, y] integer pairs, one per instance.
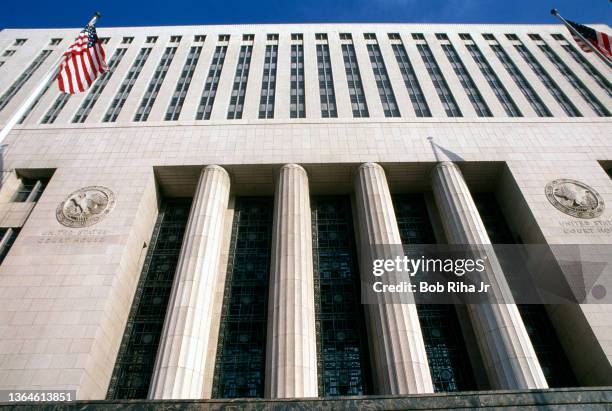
{"points": [[328, 105], [341, 334]]}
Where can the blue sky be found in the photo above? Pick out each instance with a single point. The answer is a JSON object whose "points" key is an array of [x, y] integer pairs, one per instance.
{"points": [[63, 13]]}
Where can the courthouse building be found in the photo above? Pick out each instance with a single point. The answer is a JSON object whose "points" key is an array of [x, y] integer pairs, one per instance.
{"points": [[195, 225]]}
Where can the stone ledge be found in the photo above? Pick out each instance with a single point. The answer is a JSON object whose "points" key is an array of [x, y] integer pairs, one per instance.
{"points": [[596, 398]]}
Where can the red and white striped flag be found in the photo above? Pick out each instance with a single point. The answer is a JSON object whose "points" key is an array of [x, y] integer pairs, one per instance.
{"points": [[83, 62], [598, 39]]}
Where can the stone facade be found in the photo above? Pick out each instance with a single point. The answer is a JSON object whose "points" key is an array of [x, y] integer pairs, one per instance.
{"points": [[66, 292]]}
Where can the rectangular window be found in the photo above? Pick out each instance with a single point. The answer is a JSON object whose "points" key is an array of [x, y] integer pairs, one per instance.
{"points": [[56, 108], [126, 86], [30, 190], [182, 85], [355, 85], [385, 91], [548, 82], [268, 82], [498, 88], [241, 79], [547, 347], [342, 348], [98, 87], [447, 353], [55, 42], [439, 82], [199, 38], [151, 39], [154, 85], [466, 81], [23, 78], [8, 53], [19, 42], [240, 365], [589, 68], [175, 39], [7, 238], [578, 85], [326, 82], [521, 82], [133, 369], [37, 100], [297, 103], [421, 109], [212, 82], [127, 40]]}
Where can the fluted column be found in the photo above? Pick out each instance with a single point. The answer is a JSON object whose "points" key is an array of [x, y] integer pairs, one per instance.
{"points": [[508, 355], [181, 357], [396, 343], [291, 360]]}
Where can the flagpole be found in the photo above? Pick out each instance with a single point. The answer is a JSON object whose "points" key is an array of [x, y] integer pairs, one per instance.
{"points": [[594, 49], [29, 101]]}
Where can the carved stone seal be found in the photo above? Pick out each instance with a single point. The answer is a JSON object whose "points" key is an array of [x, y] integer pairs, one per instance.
{"points": [[85, 207], [575, 198]]}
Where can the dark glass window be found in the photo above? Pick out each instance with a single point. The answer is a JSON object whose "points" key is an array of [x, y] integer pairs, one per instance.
{"points": [[241, 352], [212, 82], [142, 114], [268, 82], [353, 77], [342, 353], [326, 82], [7, 238], [23, 78], [521, 82], [134, 367], [383, 83], [56, 108], [240, 83], [466, 81], [543, 337], [30, 190], [421, 109], [446, 351], [437, 77], [98, 87], [297, 104], [571, 78], [548, 81], [496, 85], [589, 68], [182, 85], [126, 85]]}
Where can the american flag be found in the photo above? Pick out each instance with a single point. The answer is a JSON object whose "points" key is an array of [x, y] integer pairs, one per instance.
{"points": [[598, 39], [83, 62]]}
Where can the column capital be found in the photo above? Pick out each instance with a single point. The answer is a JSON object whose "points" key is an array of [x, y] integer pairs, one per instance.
{"points": [[293, 166], [444, 164], [214, 167], [369, 165]]}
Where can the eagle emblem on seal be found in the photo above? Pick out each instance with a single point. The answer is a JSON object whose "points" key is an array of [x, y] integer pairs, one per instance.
{"points": [[85, 207], [575, 198]]}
